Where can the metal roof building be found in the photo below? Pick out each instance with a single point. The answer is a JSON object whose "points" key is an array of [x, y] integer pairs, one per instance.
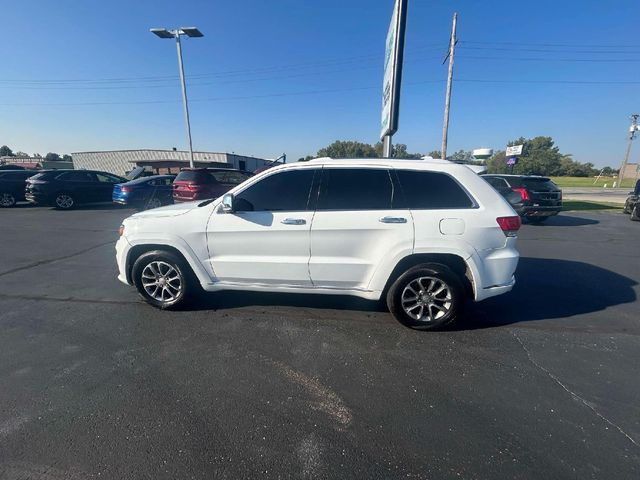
{"points": [[120, 162]]}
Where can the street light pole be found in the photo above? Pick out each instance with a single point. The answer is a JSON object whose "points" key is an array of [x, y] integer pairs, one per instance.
{"points": [[185, 102], [177, 33]]}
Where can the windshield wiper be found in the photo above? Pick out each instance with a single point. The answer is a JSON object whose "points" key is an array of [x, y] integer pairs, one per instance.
{"points": [[206, 202]]}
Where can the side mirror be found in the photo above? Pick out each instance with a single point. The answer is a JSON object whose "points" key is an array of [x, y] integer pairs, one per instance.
{"points": [[227, 203]]}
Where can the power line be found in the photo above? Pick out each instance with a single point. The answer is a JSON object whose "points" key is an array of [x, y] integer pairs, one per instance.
{"points": [[550, 59], [550, 50], [323, 91], [573, 45]]}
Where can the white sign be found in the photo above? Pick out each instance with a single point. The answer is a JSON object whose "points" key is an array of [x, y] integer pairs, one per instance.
{"points": [[388, 122], [514, 150]]}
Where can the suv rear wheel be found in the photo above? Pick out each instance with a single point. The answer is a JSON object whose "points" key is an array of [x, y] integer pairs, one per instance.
{"points": [[635, 214], [64, 201], [426, 297], [163, 279]]}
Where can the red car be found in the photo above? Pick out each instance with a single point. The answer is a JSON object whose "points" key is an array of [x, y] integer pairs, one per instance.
{"points": [[203, 183]]}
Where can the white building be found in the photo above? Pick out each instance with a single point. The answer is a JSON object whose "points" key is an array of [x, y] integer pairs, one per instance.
{"points": [[120, 162]]}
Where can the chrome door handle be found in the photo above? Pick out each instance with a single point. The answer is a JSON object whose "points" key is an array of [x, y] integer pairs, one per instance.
{"points": [[294, 221], [393, 220]]}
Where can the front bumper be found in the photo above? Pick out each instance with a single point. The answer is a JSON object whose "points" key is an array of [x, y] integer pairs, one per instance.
{"points": [[122, 252]]}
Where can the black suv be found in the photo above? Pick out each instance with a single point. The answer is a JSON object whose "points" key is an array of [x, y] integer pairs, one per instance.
{"points": [[64, 189], [536, 199], [12, 183], [632, 204]]}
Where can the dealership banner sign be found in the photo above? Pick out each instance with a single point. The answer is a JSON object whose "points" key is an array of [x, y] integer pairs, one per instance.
{"points": [[393, 57]]}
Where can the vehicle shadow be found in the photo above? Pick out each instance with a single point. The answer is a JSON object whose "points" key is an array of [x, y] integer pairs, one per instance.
{"points": [[564, 221], [548, 289], [235, 299]]}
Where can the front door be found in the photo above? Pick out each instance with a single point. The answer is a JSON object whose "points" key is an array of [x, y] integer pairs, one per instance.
{"points": [[356, 227], [266, 239]]}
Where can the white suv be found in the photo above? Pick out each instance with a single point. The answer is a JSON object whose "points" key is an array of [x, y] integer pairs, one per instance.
{"points": [[425, 235]]}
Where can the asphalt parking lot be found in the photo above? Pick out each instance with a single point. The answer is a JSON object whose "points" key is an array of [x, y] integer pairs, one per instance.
{"points": [[540, 383]]}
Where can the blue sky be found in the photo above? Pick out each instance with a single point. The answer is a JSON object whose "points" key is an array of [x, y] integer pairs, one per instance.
{"points": [[292, 76]]}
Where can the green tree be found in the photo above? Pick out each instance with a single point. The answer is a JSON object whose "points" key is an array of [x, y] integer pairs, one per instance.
{"points": [[435, 154], [5, 151], [67, 158], [52, 157], [462, 156], [348, 149]]}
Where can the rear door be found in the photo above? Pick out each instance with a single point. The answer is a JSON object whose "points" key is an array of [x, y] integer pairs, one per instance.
{"points": [[356, 227], [79, 184]]}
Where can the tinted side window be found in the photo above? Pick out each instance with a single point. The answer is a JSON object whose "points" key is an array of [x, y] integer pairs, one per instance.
{"points": [[76, 177], [14, 176], [285, 191], [497, 182], [107, 178], [355, 189], [432, 190]]}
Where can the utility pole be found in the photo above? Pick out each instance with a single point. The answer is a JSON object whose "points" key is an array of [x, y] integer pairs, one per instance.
{"points": [[452, 48], [632, 134]]}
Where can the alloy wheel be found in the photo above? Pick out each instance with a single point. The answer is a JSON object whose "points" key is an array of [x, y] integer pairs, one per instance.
{"points": [[7, 200], [64, 201], [161, 281], [426, 299]]}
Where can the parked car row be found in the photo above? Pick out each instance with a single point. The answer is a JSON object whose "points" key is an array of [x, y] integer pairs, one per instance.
{"points": [[66, 189]]}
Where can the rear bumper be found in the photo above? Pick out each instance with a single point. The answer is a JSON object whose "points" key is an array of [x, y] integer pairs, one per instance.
{"points": [[493, 270], [539, 211]]}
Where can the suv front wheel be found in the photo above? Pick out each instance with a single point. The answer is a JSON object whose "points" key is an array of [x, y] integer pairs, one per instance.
{"points": [[426, 297], [163, 279]]}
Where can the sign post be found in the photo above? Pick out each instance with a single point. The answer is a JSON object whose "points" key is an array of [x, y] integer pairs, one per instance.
{"points": [[512, 154], [393, 57]]}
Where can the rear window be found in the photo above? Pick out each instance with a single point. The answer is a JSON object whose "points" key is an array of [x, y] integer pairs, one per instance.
{"points": [[191, 176], [539, 184], [231, 177], [432, 190]]}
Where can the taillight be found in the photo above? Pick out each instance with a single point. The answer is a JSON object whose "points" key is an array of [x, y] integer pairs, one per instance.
{"points": [[524, 193], [509, 225], [121, 231]]}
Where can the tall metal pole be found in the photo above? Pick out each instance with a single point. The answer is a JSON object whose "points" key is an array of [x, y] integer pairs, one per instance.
{"points": [[632, 134], [452, 48], [386, 146], [184, 97]]}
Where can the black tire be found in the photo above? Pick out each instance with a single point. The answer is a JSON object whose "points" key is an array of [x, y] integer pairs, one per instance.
{"points": [[7, 200], [538, 220], [153, 202], [63, 201], [635, 214], [431, 277], [162, 262], [626, 208]]}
